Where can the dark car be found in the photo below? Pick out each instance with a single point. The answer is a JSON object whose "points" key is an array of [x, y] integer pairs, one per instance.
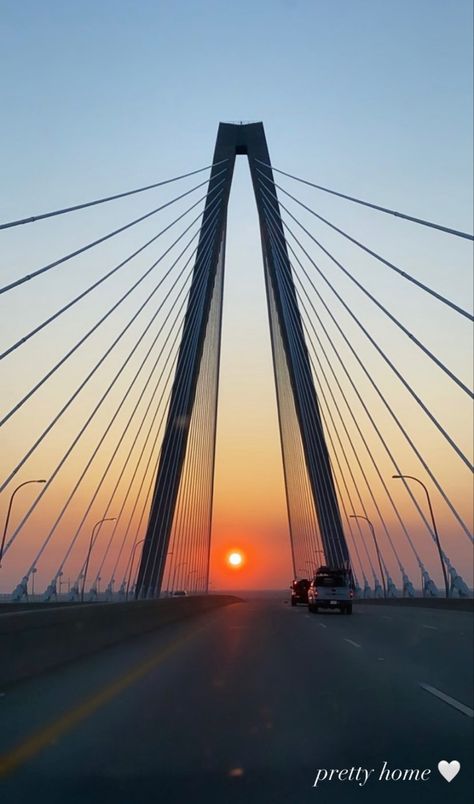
{"points": [[299, 591]]}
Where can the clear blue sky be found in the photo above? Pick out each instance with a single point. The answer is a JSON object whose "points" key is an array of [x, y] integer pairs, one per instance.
{"points": [[376, 95], [372, 97]]}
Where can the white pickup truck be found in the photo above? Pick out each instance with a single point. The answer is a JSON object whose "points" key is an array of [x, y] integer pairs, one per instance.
{"points": [[331, 588]]}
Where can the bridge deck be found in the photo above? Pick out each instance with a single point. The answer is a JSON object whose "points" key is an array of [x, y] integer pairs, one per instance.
{"points": [[245, 704]]}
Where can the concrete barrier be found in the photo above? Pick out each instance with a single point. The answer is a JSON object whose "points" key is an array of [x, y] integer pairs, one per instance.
{"points": [[440, 603], [38, 640]]}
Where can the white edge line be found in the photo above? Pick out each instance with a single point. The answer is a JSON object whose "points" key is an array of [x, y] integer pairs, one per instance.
{"points": [[466, 710], [356, 644]]}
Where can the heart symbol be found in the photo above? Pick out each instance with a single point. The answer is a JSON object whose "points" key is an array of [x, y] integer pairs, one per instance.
{"points": [[449, 770]]}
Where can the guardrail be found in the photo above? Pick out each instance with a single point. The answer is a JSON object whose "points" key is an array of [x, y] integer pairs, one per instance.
{"points": [[440, 603]]}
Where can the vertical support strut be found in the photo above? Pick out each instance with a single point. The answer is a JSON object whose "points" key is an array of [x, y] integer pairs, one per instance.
{"points": [[233, 140]]}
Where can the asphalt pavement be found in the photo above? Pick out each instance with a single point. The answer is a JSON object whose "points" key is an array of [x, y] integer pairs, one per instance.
{"points": [[254, 702]]}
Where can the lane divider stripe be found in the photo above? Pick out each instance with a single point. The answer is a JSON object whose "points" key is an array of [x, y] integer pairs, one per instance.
{"points": [[351, 642], [466, 710]]}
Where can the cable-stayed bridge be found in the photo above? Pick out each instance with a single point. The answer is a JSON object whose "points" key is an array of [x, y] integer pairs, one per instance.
{"points": [[111, 358], [135, 512]]}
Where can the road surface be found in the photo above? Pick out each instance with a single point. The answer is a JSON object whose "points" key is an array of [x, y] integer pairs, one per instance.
{"points": [[251, 703]]}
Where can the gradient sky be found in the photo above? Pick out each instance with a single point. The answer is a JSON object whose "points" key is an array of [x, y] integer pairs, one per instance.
{"points": [[372, 98]]}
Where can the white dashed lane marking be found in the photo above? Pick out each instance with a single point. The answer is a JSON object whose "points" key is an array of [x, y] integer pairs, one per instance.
{"points": [[466, 710], [351, 642], [321, 625], [431, 627]]}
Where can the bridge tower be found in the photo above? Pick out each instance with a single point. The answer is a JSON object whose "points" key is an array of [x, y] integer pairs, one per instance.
{"points": [[286, 333]]}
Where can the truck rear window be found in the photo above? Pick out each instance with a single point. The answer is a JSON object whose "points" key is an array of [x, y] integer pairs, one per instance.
{"points": [[333, 579]]}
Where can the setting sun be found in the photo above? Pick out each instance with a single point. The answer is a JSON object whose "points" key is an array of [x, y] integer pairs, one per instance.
{"points": [[235, 559]]}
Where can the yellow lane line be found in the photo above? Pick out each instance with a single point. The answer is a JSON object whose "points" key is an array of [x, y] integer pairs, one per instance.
{"points": [[45, 736]]}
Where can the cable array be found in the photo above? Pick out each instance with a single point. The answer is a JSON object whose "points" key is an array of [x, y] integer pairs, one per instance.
{"points": [[112, 445], [353, 428], [95, 376]]}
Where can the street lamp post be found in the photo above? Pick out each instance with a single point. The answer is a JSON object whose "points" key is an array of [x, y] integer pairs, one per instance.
{"points": [[91, 545], [435, 529], [5, 529], [33, 573], [132, 556], [359, 516]]}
